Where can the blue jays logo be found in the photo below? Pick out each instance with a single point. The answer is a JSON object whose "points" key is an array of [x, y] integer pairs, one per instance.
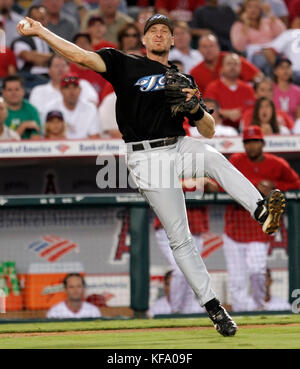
{"points": [[151, 83]]}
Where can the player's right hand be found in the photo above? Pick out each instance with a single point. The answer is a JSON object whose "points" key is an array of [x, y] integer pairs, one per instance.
{"points": [[34, 30]]}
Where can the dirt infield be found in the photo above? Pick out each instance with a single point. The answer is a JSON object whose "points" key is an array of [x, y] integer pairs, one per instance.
{"points": [[117, 331]]}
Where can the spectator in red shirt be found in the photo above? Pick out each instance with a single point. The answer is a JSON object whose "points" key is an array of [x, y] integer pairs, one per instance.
{"points": [[264, 88], [245, 245], [176, 9], [233, 94], [96, 28], [210, 68], [8, 65], [83, 40]]}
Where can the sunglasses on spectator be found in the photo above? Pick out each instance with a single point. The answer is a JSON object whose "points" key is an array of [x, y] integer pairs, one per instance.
{"points": [[135, 35]]}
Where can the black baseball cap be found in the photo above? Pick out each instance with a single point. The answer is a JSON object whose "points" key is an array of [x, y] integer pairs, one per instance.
{"points": [[158, 19], [54, 114]]}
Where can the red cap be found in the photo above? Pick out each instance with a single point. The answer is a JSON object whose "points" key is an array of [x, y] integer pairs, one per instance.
{"points": [[253, 133], [69, 79]]}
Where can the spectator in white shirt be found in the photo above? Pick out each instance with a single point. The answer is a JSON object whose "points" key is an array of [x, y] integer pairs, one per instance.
{"points": [[80, 116], [58, 66], [6, 134], [182, 47], [288, 45], [220, 128], [74, 306], [33, 53]]}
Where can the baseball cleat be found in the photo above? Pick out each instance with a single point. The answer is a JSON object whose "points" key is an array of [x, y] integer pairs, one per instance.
{"points": [[269, 211], [223, 322]]}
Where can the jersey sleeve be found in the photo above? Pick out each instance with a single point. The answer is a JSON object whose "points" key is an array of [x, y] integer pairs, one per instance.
{"points": [[289, 179], [114, 61]]}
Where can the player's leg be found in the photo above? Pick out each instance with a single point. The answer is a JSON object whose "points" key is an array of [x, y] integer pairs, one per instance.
{"points": [[257, 265], [266, 211], [169, 206]]}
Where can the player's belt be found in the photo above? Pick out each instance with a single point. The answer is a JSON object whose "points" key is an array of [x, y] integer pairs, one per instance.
{"points": [[164, 142]]}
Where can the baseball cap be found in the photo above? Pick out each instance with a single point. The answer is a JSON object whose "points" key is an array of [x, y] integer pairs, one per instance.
{"points": [[69, 79], [253, 133], [281, 60], [158, 19], [94, 19], [54, 114]]}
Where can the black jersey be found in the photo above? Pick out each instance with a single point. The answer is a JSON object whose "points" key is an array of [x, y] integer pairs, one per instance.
{"points": [[141, 109]]}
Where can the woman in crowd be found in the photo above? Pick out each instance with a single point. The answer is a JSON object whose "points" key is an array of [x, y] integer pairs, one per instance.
{"points": [[264, 115], [286, 93], [129, 38], [257, 25]]}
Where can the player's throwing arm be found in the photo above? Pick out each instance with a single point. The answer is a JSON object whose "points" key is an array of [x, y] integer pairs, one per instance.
{"points": [[73, 53]]}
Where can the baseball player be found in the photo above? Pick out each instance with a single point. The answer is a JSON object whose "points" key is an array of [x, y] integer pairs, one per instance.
{"points": [[245, 245], [152, 101]]}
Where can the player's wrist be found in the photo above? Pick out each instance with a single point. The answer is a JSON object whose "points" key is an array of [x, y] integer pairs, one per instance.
{"points": [[197, 113]]}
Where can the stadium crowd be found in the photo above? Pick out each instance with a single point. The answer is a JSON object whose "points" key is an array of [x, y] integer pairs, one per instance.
{"points": [[242, 54]]}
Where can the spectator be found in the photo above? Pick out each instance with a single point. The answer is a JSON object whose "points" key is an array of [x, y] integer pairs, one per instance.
{"points": [[279, 9], [287, 44], [264, 115], [83, 40], [113, 18], [97, 29], [8, 65], [107, 116], [182, 50], [209, 69], [55, 126], [58, 66], [11, 19], [74, 306], [253, 30], [245, 245], [129, 38], [286, 93], [80, 115], [220, 128], [233, 95], [22, 116], [264, 88], [214, 18], [293, 8], [6, 134], [32, 53], [162, 304], [62, 25], [178, 10], [142, 16]]}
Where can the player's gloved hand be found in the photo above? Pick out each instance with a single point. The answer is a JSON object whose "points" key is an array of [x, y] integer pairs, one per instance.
{"points": [[175, 82]]}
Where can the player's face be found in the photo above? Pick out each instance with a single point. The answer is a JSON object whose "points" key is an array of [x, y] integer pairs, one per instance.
{"points": [[209, 48], [158, 39], [264, 89], [254, 149], [13, 93], [74, 289]]}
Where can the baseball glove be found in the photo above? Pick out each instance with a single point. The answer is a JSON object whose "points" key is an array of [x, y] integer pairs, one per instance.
{"points": [[175, 82]]}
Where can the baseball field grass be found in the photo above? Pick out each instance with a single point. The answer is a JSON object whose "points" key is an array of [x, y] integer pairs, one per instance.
{"points": [[255, 332]]}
